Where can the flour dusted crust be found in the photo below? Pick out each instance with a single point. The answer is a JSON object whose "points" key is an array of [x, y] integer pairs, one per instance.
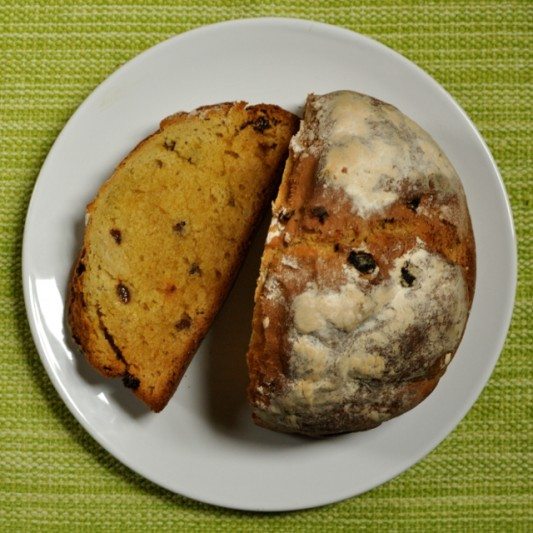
{"points": [[368, 272], [165, 237]]}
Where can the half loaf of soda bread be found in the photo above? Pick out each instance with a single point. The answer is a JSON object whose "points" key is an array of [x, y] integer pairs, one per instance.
{"points": [[368, 273], [165, 237]]}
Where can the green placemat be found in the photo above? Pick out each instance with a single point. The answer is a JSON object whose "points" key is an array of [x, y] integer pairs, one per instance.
{"points": [[52, 474]]}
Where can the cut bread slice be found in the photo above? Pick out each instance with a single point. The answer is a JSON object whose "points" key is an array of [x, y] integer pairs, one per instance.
{"points": [[165, 237]]}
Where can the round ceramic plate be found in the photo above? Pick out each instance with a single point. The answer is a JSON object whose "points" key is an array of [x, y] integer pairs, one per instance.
{"points": [[204, 445]]}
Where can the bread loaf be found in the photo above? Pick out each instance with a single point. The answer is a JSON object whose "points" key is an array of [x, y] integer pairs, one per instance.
{"points": [[367, 276], [165, 237]]}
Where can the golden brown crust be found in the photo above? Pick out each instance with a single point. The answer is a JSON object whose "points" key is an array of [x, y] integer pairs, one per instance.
{"points": [[337, 377], [165, 238], [84, 331]]}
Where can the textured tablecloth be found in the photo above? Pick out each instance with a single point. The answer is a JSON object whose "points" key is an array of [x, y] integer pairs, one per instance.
{"points": [[52, 474]]}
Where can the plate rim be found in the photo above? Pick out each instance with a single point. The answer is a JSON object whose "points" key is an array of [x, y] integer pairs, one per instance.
{"points": [[312, 25]]}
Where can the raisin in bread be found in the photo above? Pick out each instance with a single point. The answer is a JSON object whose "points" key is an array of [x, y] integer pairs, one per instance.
{"points": [[165, 237], [367, 276]]}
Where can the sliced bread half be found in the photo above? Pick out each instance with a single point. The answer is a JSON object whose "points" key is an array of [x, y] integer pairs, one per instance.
{"points": [[165, 237]]}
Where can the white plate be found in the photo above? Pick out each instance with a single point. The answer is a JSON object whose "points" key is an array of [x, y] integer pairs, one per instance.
{"points": [[204, 445]]}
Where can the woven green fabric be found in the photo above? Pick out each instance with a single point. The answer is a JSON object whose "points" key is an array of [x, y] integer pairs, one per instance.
{"points": [[52, 474]]}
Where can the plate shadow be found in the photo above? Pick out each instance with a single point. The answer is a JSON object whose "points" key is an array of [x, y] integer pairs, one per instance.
{"points": [[226, 375], [225, 369]]}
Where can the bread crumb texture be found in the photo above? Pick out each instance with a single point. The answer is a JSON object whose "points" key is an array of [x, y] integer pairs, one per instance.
{"points": [[368, 274], [164, 239]]}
